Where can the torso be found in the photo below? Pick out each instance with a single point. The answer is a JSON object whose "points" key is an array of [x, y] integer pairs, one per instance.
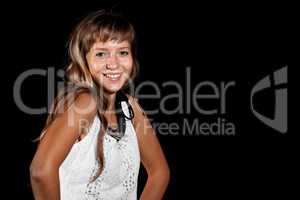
{"points": [[118, 179]]}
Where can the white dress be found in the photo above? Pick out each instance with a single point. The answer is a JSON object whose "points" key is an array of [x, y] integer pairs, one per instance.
{"points": [[118, 180]]}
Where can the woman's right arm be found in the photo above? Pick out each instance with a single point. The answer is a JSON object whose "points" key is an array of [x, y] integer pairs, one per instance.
{"points": [[55, 146]]}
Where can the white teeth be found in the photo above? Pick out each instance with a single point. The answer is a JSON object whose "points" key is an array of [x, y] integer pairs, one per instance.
{"points": [[112, 76]]}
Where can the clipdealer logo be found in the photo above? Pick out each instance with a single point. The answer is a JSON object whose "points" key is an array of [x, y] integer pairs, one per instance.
{"points": [[189, 98], [278, 83]]}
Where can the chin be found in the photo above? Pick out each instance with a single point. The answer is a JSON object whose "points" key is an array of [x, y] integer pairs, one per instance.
{"points": [[112, 88]]}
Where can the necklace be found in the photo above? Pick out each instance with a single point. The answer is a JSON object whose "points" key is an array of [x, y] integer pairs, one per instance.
{"points": [[113, 130]]}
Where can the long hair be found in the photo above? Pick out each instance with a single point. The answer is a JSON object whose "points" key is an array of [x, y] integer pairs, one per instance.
{"points": [[98, 26]]}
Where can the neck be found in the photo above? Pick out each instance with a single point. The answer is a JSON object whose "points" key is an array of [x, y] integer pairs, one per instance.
{"points": [[111, 102]]}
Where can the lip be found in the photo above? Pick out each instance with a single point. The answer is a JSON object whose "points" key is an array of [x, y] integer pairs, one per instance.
{"points": [[112, 76]]}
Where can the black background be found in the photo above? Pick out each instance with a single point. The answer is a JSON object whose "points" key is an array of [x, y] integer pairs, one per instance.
{"points": [[219, 41]]}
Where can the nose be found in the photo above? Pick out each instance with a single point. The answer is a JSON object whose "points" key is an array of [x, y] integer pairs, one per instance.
{"points": [[112, 62]]}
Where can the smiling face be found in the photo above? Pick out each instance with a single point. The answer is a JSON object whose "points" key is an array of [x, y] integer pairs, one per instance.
{"points": [[110, 63]]}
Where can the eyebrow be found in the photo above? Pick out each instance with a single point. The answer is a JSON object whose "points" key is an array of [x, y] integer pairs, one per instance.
{"points": [[105, 49]]}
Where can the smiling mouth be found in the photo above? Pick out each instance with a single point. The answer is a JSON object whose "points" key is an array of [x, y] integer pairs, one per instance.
{"points": [[113, 76]]}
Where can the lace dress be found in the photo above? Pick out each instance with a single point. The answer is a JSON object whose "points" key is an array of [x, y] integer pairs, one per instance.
{"points": [[118, 180]]}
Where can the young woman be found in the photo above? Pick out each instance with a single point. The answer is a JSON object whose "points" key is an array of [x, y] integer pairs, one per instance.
{"points": [[96, 134]]}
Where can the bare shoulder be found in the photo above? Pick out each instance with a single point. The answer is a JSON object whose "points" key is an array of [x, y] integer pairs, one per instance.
{"points": [[141, 122], [84, 104], [131, 98]]}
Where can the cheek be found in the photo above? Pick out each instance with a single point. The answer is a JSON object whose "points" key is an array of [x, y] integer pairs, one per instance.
{"points": [[93, 70], [95, 67], [128, 65]]}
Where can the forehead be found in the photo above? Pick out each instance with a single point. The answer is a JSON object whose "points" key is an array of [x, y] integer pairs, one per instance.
{"points": [[111, 44]]}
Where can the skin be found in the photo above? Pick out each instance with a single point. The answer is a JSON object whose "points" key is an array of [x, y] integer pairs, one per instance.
{"points": [[110, 57]]}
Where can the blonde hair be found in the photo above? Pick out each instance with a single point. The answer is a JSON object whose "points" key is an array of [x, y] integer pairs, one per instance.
{"points": [[98, 26]]}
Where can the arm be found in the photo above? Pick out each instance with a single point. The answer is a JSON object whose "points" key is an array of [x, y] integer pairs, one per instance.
{"points": [[152, 156], [55, 146]]}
